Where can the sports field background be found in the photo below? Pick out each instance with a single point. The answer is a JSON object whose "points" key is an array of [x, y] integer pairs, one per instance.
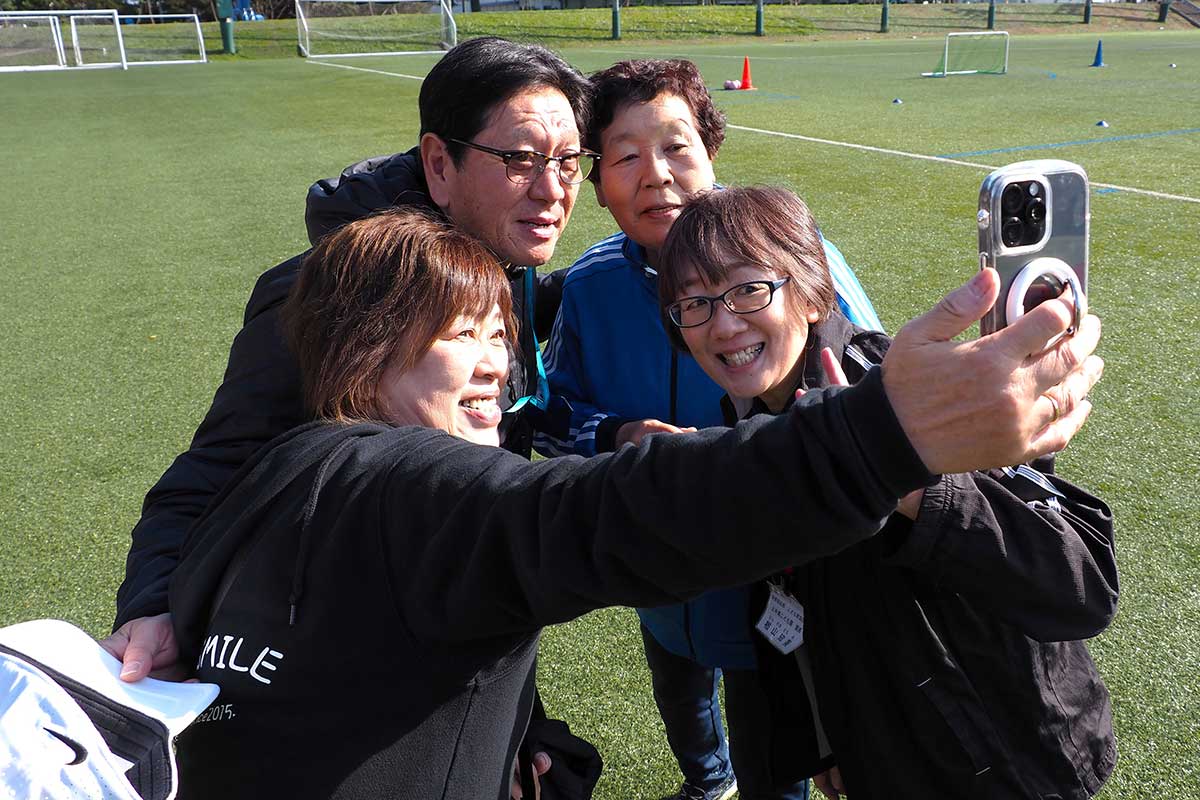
{"points": [[138, 208]]}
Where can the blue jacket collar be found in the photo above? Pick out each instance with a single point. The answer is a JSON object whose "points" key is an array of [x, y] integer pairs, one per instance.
{"points": [[635, 254]]}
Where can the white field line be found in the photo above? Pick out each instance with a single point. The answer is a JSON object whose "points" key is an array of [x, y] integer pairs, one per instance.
{"points": [[364, 69], [973, 164], [800, 56], [868, 148]]}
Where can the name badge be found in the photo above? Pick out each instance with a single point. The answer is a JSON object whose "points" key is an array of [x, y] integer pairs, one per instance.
{"points": [[783, 620]]}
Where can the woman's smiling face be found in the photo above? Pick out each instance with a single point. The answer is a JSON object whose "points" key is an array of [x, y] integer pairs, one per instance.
{"points": [[653, 161], [456, 385], [760, 354]]}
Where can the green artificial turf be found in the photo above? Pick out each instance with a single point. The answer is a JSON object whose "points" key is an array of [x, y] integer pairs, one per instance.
{"points": [[139, 208], [641, 24]]}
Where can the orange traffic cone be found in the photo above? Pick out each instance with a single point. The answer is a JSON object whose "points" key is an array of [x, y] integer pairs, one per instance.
{"points": [[746, 83]]}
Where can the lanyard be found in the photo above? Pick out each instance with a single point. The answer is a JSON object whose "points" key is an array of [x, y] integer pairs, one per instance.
{"points": [[541, 388]]}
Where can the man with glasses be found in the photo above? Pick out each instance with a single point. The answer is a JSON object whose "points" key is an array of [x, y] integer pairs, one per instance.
{"points": [[500, 156]]}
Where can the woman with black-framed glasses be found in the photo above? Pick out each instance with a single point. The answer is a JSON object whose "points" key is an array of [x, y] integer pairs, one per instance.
{"points": [[943, 656], [744, 298]]}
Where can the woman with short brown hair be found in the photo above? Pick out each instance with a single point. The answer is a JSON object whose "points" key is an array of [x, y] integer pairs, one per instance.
{"points": [[368, 591], [387, 288]]}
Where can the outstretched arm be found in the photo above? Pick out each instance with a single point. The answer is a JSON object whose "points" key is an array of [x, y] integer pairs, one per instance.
{"points": [[604, 525], [487, 545]]}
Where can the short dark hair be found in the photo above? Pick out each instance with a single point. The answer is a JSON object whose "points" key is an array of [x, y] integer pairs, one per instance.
{"points": [[465, 86], [722, 229], [640, 81], [380, 291]]}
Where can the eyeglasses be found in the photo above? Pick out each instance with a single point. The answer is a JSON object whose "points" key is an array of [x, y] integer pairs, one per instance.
{"points": [[745, 298], [526, 166]]}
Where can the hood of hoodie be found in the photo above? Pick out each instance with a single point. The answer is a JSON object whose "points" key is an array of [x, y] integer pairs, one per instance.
{"points": [[297, 481], [371, 185]]}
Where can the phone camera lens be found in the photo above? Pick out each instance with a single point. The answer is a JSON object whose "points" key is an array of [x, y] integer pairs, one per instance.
{"points": [[1035, 212], [1011, 200], [1012, 231]]}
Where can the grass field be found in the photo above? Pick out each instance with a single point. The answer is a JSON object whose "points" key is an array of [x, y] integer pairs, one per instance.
{"points": [[140, 207], [642, 24]]}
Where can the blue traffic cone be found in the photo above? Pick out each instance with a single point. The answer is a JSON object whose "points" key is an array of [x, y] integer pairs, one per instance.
{"points": [[1099, 60]]}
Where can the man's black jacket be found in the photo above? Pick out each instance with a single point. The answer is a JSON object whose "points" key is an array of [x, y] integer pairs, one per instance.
{"points": [[260, 395]]}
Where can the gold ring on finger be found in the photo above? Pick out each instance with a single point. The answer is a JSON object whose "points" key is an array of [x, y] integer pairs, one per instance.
{"points": [[1054, 403]]}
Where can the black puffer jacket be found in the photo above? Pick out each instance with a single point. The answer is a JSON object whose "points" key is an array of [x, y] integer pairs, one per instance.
{"points": [[260, 395], [945, 653]]}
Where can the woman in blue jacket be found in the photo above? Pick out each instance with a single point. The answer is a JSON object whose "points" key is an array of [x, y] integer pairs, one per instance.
{"points": [[615, 378]]}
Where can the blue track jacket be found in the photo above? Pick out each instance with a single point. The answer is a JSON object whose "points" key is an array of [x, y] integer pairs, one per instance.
{"points": [[608, 361]]}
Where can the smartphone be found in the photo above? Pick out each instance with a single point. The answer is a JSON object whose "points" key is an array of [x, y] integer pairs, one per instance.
{"points": [[1033, 230]]}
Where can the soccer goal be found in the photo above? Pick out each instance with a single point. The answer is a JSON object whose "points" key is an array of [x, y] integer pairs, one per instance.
{"points": [[972, 53], [153, 39], [96, 40], [347, 28], [94, 43], [30, 42]]}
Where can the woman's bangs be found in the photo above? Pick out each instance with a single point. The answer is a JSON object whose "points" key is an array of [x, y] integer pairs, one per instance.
{"points": [[477, 285]]}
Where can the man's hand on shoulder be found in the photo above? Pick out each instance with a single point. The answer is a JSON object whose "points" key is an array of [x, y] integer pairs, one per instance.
{"points": [[146, 646]]}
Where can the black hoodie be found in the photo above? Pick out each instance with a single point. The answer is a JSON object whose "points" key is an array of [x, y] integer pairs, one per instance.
{"points": [[369, 598], [260, 395]]}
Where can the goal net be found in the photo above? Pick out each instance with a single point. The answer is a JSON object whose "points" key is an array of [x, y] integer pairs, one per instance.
{"points": [[30, 43], [51, 39], [163, 39], [980, 52], [95, 41], [345, 28]]}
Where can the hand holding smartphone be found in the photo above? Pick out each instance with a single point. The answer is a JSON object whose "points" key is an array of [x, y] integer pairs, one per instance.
{"points": [[1033, 230]]}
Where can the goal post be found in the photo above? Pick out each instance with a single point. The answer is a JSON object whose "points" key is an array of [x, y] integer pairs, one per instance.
{"points": [[30, 42], [351, 28], [973, 53], [159, 39], [96, 40]]}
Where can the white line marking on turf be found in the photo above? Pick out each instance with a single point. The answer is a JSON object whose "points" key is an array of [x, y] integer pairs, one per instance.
{"points": [[851, 145], [695, 55], [364, 69], [1147, 192], [800, 56], [904, 154]]}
